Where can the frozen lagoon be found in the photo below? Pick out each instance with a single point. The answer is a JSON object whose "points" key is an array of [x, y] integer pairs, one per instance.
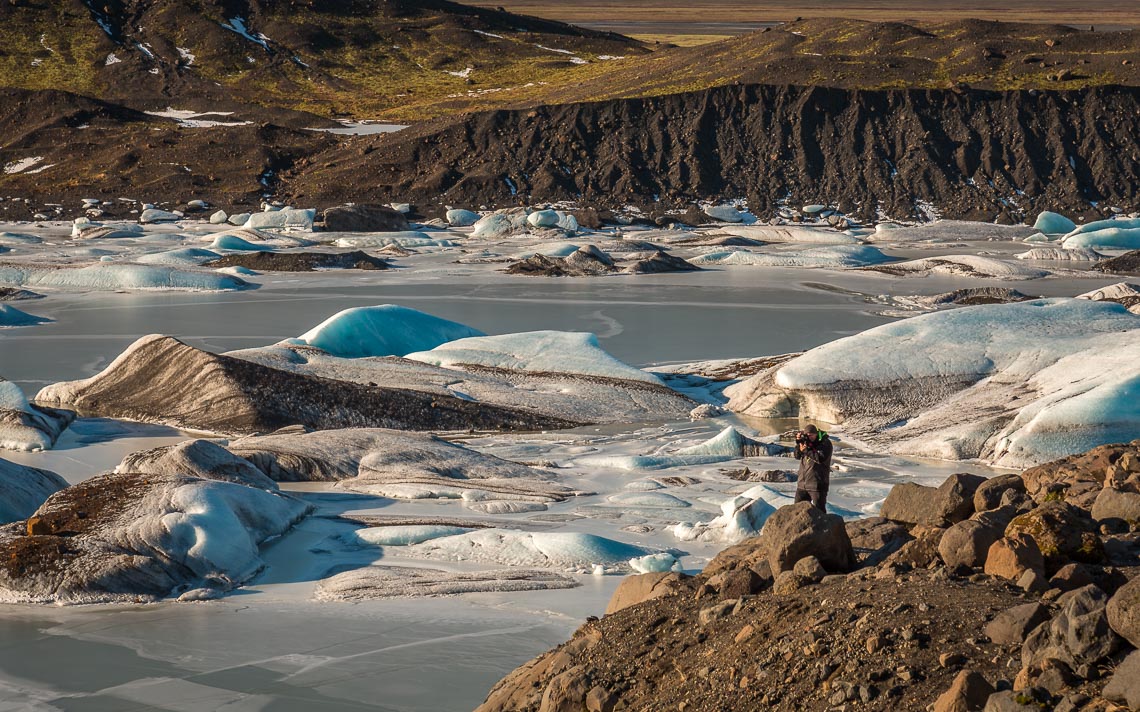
{"points": [[269, 645]]}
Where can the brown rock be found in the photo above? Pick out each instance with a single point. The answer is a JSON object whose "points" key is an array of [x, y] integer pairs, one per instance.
{"points": [[989, 493], [1013, 625], [1124, 612], [1010, 557], [875, 538], [967, 544], [644, 587], [1078, 635], [1124, 686], [800, 530], [599, 699], [950, 502], [566, 692], [1063, 533], [921, 552], [809, 568], [1115, 504], [968, 692]]}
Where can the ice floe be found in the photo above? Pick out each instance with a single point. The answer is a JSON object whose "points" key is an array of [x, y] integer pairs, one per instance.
{"points": [[836, 257], [106, 276], [1013, 384]]}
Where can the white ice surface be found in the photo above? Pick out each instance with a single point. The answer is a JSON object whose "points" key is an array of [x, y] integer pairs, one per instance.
{"points": [[109, 276], [383, 330], [837, 257]]}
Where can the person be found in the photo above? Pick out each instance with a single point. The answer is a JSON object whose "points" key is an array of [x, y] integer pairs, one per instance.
{"points": [[813, 450]]}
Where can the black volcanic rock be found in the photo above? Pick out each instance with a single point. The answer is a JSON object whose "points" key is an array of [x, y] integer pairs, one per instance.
{"points": [[263, 261], [364, 218], [1128, 263]]}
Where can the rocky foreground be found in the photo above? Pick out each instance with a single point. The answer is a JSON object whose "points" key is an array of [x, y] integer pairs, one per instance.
{"points": [[1014, 593]]}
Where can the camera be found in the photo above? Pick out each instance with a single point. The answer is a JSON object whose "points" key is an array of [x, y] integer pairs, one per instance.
{"points": [[802, 438]]}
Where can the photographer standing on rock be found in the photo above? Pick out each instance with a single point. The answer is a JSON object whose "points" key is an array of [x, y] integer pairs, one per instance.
{"points": [[813, 450]]}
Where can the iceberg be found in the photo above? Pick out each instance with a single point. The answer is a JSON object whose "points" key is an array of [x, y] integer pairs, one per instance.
{"points": [[106, 276], [403, 238], [785, 233], [543, 218], [560, 550], [1112, 292], [966, 265], [655, 563], [154, 215], [500, 225], [540, 351], [11, 316], [1112, 223], [837, 257], [1054, 224], [401, 535], [24, 489], [233, 242], [27, 427], [727, 445], [287, 219], [461, 218], [1108, 238], [1013, 384], [724, 213], [1054, 254], [384, 330], [184, 256]]}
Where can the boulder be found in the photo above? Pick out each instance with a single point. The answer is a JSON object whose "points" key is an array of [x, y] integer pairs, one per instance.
{"points": [[1079, 633], [1124, 685], [967, 693], [989, 493], [1013, 625], [810, 568], [1063, 533], [1091, 466], [919, 553], [967, 544], [1077, 575], [798, 530], [1010, 701], [1124, 612], [875, 538], [364, 218], [566, 692], [219, 218], [1114, 504], [739, 583], [1010, 557], [639, 588], [661, 262], [941, 506], [153, 215]]}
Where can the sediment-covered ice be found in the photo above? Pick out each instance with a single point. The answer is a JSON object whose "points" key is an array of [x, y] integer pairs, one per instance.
{"points": [[27, 427], [964, 265], [832, 257], [200, 458], [1014, 384], [729, 444], [793, 234], [374, 582], [128, 537], [23, 489], [384, 330], [509, 547], [396, 464], [1054, 254], [1113, 291], [403, 238], [107, 276], [538, 351]]}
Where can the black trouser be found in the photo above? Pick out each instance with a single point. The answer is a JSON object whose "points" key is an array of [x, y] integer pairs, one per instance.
{"points": [[816, 497]]}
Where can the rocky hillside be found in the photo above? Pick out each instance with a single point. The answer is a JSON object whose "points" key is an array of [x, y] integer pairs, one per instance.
{"points": [[967, 153], [349, 57], [1012, 594]]}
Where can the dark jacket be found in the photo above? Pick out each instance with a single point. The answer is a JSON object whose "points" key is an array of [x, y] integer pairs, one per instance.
{"points": [[815, 465]]}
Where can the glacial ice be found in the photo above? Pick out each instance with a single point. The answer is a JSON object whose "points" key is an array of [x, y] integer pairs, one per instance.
{"points": [[967, 265], [25, 427], [1054, 224], [154, 215], [542, 218], [654, 563], [383, 330], [283, 219], [652, 500], [106, 276], [1108, 238], [542, 351], [11, 316], [1112, 223], [24, 489], [1055, 254], [1014, 384], [186, 256], [793, 234], [728, 444], [500, 225], [1113, 291], [724, 213], [372, 582], [836, 257], [233, 242], [401, 535], [403, 238], [461, 218], [557, 550]]}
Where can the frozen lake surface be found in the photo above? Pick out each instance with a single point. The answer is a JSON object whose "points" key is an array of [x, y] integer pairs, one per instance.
{"points": [[272, 645]]}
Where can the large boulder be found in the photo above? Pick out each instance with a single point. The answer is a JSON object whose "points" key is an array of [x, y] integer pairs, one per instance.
{"points": [[1091, 466], [1078, 635], [1113, 504], [921, 552], [941, 506], [798, 530], [967, 544], [1063, 533], [875, 538], [989, 493], [967, 693], [1011, 556], [1013, 625], [1124, 612], [364, 218], [644, 587], [1124, 685]]}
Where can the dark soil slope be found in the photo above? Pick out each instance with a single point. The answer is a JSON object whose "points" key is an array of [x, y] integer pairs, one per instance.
{"points": [[969, 153]]}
